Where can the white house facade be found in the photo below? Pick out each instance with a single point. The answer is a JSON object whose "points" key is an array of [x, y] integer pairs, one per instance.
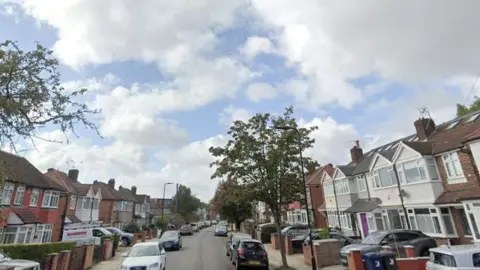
{"points": [[87, 209]]}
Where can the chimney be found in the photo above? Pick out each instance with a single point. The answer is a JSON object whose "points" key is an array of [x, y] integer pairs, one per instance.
{"points": [[50, 170], [425, 127], [356, 153], [134, 189], [111, 183], [73, 175]]}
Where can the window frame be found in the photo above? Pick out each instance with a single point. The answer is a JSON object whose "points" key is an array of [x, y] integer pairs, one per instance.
{"points": [[49, 196], [19, 195], [377, 180], [454, 159], [7, 193], [433, 213], [35, 194], [73, 202], [361, 182]]}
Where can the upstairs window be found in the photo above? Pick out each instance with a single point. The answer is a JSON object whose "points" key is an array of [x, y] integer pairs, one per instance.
{"points": [[50, 199], [361, 184], [73, 201], [328, 188], [7, 192], [384, 177], [341, 186], [34, 197], [412, 171], [19, 195], [453, 167]]}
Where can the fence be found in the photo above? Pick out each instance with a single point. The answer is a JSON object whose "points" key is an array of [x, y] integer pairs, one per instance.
{"points": [[77, 258]]}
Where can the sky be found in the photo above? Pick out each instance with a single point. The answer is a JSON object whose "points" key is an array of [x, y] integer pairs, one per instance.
{"points": [[170, 76]]}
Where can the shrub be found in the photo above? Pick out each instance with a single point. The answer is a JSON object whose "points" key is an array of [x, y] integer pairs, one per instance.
{"points": [[131, 227], [144, 227], [116, 241], [323, 234], [36, 251], [151, 226]]}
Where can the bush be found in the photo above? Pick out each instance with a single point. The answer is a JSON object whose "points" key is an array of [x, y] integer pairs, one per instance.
{"points": [[144, 227], [116, 241], [151, 226], [36, 252], [131, 227], [323, 234]]}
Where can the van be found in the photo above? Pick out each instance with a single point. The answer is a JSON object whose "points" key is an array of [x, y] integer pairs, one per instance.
{"points": [[85, 235]]}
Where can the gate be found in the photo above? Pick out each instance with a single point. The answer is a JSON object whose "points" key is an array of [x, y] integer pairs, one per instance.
{"points": [[77, 258]]}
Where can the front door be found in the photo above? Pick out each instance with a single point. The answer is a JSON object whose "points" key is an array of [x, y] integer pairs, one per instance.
{"points": [[363, 217]]}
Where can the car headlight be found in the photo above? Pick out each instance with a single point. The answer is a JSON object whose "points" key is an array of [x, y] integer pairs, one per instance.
{"points": [[123, 267], [153, 266]]}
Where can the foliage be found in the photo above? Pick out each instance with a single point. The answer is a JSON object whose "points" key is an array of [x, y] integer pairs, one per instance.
{"points": [[265, 160], [151, 226], [233, 202], [188, 203], [463, 110], [131, 227], [36, 252], [32, 97], [116, 241], [159, 222], [144, 227], [323, 234]]}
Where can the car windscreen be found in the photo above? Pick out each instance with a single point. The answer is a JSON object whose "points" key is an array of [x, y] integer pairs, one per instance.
{"points": [[114, 230], [253, 246], [442, 259], [105, 231], [170, 234], [373, 238], [221, 228], [193, 225], [237, 238], [144, 250]]}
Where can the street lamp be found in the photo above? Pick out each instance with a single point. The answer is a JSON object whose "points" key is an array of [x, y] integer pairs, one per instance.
{"points": [[299, 141], [163, 201]]}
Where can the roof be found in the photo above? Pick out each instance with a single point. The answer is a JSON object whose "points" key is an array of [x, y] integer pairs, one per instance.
{"points": [[364, 205], [20, 170], [126, 194], [62, 179], [27, 216], [74, 219], [141, 198], [347, 170], [108, 193], [315, 178], [457, 196]]}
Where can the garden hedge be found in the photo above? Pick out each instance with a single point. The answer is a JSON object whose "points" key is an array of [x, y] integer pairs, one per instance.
{"points": [[35, 251]]}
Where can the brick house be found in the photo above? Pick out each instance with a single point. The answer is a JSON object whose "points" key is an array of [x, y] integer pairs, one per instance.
{"points": [[30, 202], [142, 208], [315, 196], [124, 210], [108, 203]]}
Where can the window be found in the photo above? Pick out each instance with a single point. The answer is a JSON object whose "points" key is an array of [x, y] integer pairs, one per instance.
{"points": [[371, 222], [432, 221], [73, 201], [472, 211], [95, 203], [412, 171], [465, 227], [452, 125], [452, 166], [34, 197], [8, 235], [341, 186], [7, 192], [124, 206], [361, 184], [328, 188], [431, 168], [384, 177], [50, 199], [44, 233], [476, 259], [442, 259], [394, 219], [86, 203], [379, 222], [19, 195], [447, 221], [24, 235]]}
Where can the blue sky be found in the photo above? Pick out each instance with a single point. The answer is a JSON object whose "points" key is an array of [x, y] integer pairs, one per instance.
{"points": [[169, 77]]}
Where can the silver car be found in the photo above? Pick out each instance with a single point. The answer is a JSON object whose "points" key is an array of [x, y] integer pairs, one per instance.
{"points": [[186, 230]]}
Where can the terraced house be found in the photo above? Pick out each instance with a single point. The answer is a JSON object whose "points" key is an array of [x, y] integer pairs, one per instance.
{"points": [[142, 208], [427, 181]]}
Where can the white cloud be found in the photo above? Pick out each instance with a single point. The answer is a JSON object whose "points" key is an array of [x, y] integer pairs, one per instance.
{"points": [[232, 114], [259, 91], [256, 45]]}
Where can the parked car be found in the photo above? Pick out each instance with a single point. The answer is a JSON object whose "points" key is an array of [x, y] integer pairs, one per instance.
{"points": [[395, 239], [344, 240], [17, 264], [85, 235], [147, 255], [295, 229], [454, 257], [234, 238], [125, 238], [186, 230], [194, 227], [214, 222], [171, 240], [221, 231], [249, 254]]}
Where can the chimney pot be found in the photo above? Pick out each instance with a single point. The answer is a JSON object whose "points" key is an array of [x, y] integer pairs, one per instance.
{"points": [[425, 128], [134, 189], [111, 183], [356, 153], [51, 169], [73, 175]]}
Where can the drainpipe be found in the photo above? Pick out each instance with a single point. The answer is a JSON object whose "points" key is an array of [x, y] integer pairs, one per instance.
{"points": [[366, 184], [401, 197]]}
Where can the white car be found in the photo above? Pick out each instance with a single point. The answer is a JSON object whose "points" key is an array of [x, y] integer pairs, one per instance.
{"points": [[454, 257], [148, 255]]}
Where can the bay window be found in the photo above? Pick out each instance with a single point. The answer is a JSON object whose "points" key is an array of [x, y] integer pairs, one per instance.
{"points": [[17, 234], [361, 183], [7, 192], [417, 171], [473, 214], [328, 188], [50, 199], [44, 233], [436, 221], [384, 177], [453, 167], [341, 186], [19, 195], [345, 219]]}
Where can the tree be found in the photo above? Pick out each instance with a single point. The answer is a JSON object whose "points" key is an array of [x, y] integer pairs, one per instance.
{"points": [[463, 110], [159, 222], [265, 161], [32, 97], [188, 204], [234, 203]]}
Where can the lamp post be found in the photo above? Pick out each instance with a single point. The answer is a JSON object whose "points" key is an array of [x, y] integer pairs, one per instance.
{"points": [[299, 141], [163, 201]]}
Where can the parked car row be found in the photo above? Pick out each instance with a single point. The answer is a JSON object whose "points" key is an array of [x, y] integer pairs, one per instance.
{"points": [[245, 252]]}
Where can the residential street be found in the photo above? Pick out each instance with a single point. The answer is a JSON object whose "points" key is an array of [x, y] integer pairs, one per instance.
{"points": [[201, 251]]}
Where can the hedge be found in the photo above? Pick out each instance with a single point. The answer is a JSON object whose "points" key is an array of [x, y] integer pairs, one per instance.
{"points": [[35, 251], [115, 238]]}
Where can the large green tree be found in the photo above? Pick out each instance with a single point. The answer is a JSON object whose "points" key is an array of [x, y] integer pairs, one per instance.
{"points": [[266, 161], [187, 203], [463, 110], [233, 202]]}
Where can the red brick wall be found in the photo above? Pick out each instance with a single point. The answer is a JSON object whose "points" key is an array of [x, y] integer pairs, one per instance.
{"points": [[469, 171], [317, 198], [106, 211]]}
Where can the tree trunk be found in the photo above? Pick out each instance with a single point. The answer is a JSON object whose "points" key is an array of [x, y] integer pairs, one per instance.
{"points": [[282, 241], [237, 225]]}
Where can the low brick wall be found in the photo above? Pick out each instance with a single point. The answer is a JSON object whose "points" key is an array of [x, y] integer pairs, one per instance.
{"points": [[275, 239], [355, 261]]}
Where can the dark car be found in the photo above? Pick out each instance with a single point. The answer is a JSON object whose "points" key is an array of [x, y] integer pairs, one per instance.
{"points": [[248, 254], [171, 240], [235, 238], [396, 239], [221, 231], [125, 238], [344, 240], [295, 229]]}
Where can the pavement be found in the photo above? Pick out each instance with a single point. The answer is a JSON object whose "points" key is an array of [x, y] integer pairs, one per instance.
{"points": [[295, 261], [204, 251]]}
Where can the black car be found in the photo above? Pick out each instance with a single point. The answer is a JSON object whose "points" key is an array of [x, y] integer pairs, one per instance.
{"points": [[344, 240], [171, 240], [221, 231], [249, 254], [233, 239]]}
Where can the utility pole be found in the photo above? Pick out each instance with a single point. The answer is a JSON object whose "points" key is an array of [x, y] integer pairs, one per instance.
{"points": [[163, 204], [176, 200]]}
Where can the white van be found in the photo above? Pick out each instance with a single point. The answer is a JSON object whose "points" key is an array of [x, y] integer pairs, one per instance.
{"points": [[85, 235]]}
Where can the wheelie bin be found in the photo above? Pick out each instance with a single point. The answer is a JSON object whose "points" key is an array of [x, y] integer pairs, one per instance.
{"points": [[380, 261]]}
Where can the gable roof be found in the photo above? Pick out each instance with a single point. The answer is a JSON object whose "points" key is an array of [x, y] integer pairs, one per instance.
{"points": [[108, 193], [62, 179], [20, 170], [126, 194], [141, 198], [315, 178]]}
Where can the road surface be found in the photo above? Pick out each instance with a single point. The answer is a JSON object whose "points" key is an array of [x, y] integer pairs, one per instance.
{"points": [[201, 251]]}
